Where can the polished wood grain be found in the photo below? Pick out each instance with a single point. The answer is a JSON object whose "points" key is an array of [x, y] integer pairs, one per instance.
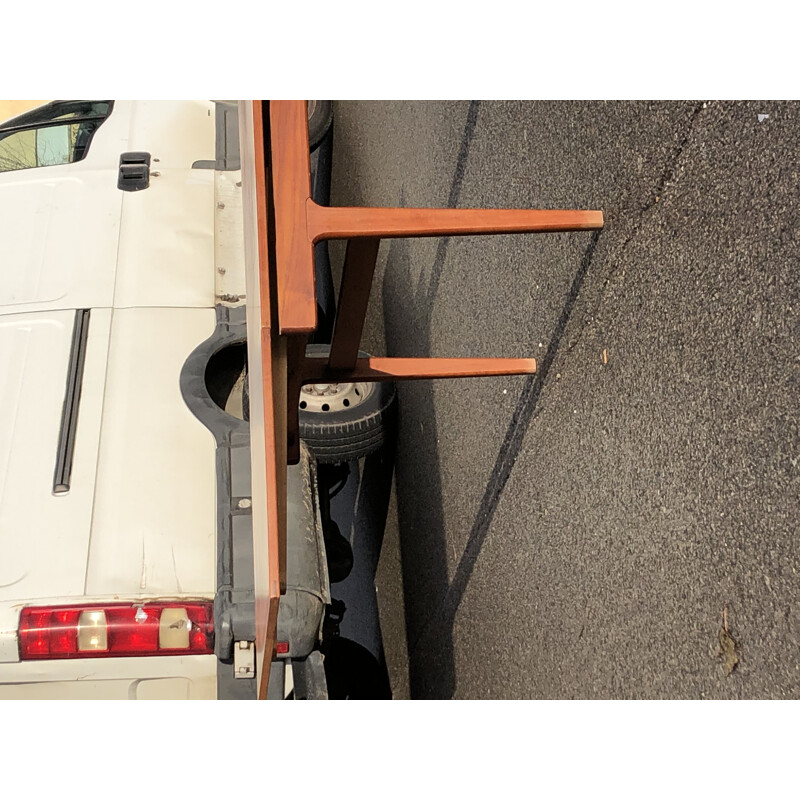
{"points": [[267, 368], [291, 190], [318, 370], [300, 222], [387, 223]]}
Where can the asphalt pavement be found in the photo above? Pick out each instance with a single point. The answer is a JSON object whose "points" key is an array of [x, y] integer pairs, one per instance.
{"points": [[625, 523]]}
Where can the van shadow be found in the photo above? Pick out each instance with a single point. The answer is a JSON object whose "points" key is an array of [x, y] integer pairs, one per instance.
{"points": [[360, 510], [431, 598], [423, 546], [418, 476]]}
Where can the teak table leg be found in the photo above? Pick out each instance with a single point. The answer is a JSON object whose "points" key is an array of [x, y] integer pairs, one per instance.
{"points": [[317, 370], [323, 222], [295, 358], [359, 266]]}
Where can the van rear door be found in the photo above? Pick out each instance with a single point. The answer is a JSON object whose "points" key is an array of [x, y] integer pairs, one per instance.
{"points": [[44, 536], [166, 249], [59, 219]]}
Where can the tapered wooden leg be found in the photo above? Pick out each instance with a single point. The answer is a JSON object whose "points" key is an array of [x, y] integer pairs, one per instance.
{"points": [[295, 358], [273, 376], [359, 267], [293, 258], [323, 222], [317, 370]]}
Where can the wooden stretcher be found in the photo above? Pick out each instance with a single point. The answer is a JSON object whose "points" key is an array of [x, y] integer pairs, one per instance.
{"points": [[281, 225]]}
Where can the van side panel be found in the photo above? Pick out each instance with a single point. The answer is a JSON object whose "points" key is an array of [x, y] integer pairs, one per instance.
{"points": [[44, 537], [59, 227], [59, 239], [138, 518], [154, 524], [166, 248], [152, 678]]}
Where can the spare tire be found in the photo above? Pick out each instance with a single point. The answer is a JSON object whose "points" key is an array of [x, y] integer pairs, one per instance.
{"points": [[320, 117], [345, 421]]}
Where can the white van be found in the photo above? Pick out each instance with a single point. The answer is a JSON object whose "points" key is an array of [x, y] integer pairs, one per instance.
{"points": [[125, 539]]}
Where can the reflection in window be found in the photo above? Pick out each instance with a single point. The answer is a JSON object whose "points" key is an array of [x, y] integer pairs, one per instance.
{"points": [[78, 108], [38, 140]]}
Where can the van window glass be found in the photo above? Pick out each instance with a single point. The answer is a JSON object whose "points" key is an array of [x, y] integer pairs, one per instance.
{"points": [[40, 138], [83, 109]]}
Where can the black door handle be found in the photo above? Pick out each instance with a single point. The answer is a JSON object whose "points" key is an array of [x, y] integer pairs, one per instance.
{"points": [[134, 172]]}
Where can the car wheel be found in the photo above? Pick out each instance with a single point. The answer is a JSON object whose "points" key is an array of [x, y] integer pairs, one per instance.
{"points": [[345, 421], [320, 117]]}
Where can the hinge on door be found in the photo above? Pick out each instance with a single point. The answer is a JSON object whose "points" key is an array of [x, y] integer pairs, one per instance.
{"points": [[134, 172], [244, 660]]}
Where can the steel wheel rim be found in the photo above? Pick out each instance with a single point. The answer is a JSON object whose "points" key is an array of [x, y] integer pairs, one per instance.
{"points": [[329, 398]]}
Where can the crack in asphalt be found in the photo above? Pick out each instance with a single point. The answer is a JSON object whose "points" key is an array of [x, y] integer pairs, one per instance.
{"points": [[666, 178], [431, 290], [527, 405]]}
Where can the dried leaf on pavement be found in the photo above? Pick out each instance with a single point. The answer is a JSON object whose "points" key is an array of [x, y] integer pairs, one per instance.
{"points": [[728, 648]]}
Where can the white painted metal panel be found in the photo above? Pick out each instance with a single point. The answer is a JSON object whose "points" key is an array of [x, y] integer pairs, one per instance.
{"points": [[154, 524], [59, 227], [166, 246], [44, 537], [58, 239], [150, 678]]}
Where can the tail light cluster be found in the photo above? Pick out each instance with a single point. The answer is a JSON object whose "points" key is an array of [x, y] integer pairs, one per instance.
{"points": [[97, 631]]}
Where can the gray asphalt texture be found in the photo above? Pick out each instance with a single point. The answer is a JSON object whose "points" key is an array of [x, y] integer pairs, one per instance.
{"points": [[579, 534]]}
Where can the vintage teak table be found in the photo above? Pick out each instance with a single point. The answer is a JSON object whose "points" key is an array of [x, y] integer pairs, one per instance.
{"points": [[281, 225]]}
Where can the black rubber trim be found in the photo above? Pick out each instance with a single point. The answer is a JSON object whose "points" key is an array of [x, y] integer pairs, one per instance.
{"points": [[301, 610], [72, 398], [48, 113], [54, 123], [309, 677], [226, 138]]}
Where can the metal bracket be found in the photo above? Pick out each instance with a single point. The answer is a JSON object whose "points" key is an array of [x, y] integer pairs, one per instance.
{"points": [[244, 660], [234, 620]]}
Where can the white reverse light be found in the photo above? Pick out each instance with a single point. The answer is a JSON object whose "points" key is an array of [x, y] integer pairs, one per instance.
{"points": [[92, 631]]}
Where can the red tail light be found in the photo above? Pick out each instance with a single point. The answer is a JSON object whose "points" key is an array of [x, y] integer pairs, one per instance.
{"points": [[106, 631]]}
